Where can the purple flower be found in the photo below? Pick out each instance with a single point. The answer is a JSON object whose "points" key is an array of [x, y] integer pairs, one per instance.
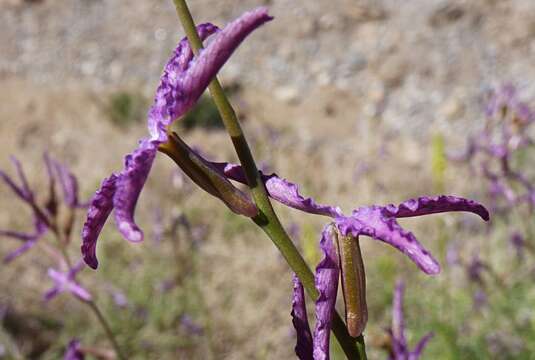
{"points": [[188, 324], [506, 131], [518, 243], [73, 351], [326, 281], [377, 222], [304, 345], [480, 299], [29, 240], [505, 99], [475, 269], [400, 348], [183, 81], [45, 217], [67, 282]]}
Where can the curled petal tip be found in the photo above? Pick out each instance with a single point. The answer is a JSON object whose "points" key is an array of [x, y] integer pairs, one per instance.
{"points": [[100, 208], [130, 231], [426, 205]]}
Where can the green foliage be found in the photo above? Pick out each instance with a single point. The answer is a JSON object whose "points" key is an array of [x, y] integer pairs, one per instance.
{"points": [[204, 114], [126, 108], [438, 162]]}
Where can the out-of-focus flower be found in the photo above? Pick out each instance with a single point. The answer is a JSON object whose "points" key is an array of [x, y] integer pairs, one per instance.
{"points": [[188, 324], [400, 348], [29, 240], [67, 282], [452, 253], [73, 351], [518, 243], [184, 80], [491, 151], [475, 269], [480, 299], [45, 218]]}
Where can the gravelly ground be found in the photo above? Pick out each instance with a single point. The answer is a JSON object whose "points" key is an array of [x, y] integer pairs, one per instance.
{"points": [[418, 64]]}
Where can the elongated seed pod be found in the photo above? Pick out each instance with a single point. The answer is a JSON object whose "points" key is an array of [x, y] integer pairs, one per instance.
{"points": [[207, 177], [353, 284]]}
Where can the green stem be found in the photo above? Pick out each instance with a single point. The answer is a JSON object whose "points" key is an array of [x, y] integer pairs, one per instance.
{"points": [[102, 320], [267, 219], [109, 333]]}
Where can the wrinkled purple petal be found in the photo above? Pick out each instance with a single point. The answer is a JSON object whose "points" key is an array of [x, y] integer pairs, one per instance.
{"points": [[100, 208], [162, 113], [73, 351], [128, 188], [303, 348], [371, 221], [326, 280], [282, 191], [185, 79], [431, 205]]}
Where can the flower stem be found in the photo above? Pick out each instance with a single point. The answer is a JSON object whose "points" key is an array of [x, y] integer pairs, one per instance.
{"points": [[267, 219], [91, 304], [109, 333]]}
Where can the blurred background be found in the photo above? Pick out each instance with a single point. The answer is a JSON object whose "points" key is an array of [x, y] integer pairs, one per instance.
{"points": [[359, 102]]}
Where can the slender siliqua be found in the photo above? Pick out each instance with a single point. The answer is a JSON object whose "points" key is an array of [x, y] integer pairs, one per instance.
{"points": [[353, 284]]}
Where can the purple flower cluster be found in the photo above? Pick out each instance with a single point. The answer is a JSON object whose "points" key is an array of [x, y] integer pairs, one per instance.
{"points": [[490, 153], [73, 351], [46, 216]]}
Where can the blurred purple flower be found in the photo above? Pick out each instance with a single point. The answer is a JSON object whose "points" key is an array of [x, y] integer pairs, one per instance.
{"points": [[480, 299], [475, 269], [73, 351], [158, 227], [67, 282], [29, 240], [400, 348], [518, 243], [452, 253], [184, 80], [491, 151], [44, 218], [189, 325], [505, 99]]}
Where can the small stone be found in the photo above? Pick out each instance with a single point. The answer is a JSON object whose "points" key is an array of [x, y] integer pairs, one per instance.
{"points": [[287, 94], [452, 109], [392, 71]]}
